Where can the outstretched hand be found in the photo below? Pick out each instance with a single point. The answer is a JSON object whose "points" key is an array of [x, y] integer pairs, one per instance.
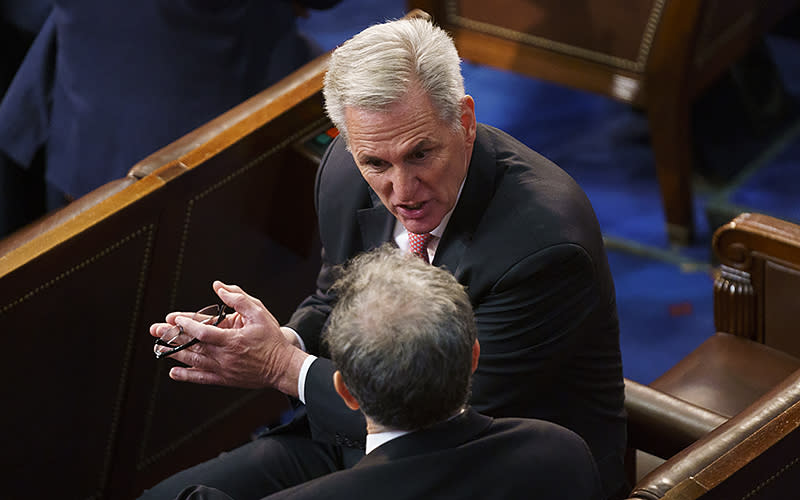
{"points": [[247, 349]]}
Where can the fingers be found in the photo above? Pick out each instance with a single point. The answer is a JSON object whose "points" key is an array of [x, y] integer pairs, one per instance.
{"points": [[248, 311], [242, 302], [171, 316], [195, 376], [203, 332], [200, 357], [231, 289], [159, 329], [220, 335]]}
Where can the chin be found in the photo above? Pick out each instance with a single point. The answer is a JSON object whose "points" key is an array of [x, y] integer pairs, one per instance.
{"points": [[419, 227]]}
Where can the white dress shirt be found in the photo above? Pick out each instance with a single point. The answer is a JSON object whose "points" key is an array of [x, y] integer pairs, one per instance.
{"points": [[379, 438]]}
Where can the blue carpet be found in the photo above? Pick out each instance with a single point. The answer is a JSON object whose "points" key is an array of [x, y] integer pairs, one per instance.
{"points": [[664, 294], [775, 188]]}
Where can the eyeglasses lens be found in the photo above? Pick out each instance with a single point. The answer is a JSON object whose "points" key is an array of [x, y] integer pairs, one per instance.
{"points": [[176, 337]]}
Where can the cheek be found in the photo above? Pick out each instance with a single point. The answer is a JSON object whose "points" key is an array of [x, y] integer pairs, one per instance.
{"points": [[448, 180]]}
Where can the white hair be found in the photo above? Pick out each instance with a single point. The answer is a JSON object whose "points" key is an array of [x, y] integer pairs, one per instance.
{"points": [[377, 67]]}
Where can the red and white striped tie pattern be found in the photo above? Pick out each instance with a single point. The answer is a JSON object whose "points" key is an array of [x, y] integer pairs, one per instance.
{"points": [[418, 244]]}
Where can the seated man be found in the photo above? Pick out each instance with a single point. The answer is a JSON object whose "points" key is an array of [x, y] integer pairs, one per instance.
{"points": [[413, 167], [403, 339]]}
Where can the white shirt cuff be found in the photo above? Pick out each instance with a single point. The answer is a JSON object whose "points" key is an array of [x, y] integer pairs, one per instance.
{"points": [[301, 379]]}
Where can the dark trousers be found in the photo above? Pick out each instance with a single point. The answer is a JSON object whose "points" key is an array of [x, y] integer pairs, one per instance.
{"points": [[24, 194], [268, 464]]}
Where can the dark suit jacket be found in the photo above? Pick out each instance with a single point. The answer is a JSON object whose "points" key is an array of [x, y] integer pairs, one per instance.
{"points": [[470, 456], [525, 241], [107, 83]]}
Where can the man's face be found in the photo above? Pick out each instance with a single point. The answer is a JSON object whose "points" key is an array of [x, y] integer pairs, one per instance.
{"points": [[414, 161]]}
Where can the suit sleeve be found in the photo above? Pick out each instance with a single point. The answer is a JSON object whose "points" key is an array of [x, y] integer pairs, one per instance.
{"points": [[311, 316], [331, 420], [340, 193]]}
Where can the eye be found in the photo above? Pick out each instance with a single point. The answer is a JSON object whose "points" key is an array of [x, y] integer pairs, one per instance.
{"points": [[420, 154], [375, 164]]}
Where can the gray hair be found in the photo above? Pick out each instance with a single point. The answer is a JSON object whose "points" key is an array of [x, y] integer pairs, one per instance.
{"points": [[401, 334], [377, 67]]}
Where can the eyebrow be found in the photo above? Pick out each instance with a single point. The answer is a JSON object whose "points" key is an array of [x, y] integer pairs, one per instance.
{"points": [[420, 145], [367, 159]]}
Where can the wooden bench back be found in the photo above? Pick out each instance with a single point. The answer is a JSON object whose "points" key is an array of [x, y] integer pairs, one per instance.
{"points": [[87, 406], [616, 49]]}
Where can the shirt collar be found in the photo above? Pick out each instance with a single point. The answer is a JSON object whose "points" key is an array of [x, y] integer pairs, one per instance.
{"points": [[378, 438]]}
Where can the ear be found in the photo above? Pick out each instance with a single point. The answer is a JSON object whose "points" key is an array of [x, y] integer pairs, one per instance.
{"points": [[476, 353], [468, 120], [344, 392]]}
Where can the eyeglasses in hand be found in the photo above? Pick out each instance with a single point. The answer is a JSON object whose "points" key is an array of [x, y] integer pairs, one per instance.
{"points": [[175, 339]]}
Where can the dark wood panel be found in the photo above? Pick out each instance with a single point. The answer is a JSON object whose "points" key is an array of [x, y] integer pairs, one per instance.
{"points": [[86, 403]]}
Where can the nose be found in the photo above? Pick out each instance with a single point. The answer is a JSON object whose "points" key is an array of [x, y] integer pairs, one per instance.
{"points": [[405, 183]]}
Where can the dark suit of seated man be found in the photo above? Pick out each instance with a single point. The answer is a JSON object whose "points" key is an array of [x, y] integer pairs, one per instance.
{"points": [[411, 161], [404, 341]]}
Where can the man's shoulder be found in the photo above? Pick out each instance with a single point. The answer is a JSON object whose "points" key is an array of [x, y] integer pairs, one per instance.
{"points": [[555, 449], [535, 203], [544, 433], [524, 172], [535, 437]]}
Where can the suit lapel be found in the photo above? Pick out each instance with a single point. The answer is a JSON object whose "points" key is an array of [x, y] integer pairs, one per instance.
{"points": [[376, 223], [475, 197], [445, 435]]}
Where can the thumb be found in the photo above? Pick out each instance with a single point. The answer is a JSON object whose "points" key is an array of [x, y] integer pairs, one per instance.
{"points": [[237, 299]]}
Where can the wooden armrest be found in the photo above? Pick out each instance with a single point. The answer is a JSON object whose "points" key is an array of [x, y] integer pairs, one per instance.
{"points": [[663, 425], [711, 448]]}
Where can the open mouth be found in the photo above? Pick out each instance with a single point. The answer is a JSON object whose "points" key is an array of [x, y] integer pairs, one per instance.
{"points": [[411, 211]]}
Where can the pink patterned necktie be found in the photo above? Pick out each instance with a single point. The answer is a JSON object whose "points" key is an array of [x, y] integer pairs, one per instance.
{"points": [[418, 244]]}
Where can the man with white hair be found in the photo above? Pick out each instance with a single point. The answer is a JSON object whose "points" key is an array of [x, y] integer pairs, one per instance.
{"points": [[413, 167]]}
